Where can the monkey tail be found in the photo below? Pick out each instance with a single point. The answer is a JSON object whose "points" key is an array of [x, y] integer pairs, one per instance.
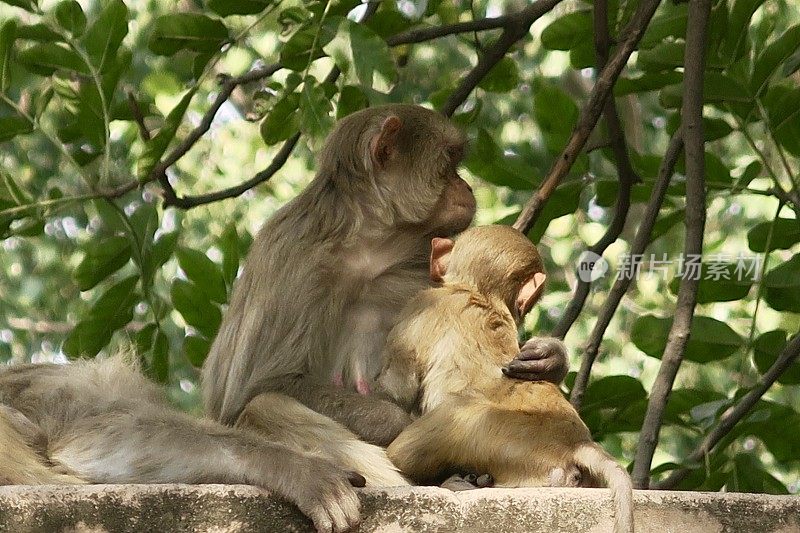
{"points": [[601, 465]]}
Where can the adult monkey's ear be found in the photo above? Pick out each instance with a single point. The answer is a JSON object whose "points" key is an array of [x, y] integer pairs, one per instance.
{"points": [[440, 257], [530, 292], [382, 144]]}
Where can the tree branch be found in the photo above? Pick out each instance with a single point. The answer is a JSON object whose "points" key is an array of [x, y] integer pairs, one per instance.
{"points": [[589, 115], [692, 119], [516, 26], [627, 177], [187, 202], [621, 285], [228, 86], [733, 416], [602, 45], [419, 35]]}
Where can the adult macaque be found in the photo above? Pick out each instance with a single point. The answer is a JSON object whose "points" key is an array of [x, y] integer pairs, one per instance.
{"points": [[103, 422], [444, 359], [325, 279]]}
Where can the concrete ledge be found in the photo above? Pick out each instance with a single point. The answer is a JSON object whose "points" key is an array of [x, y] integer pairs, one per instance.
{"points": [[237, 508]]}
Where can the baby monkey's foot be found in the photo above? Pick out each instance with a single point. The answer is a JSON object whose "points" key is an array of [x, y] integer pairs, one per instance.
{"points": [[459, 482]]}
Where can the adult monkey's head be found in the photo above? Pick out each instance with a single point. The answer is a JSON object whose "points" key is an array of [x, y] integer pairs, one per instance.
{"points": [[400, 163]]}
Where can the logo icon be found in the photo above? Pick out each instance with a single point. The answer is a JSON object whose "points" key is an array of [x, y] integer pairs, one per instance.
{"points": [[591, 267]]}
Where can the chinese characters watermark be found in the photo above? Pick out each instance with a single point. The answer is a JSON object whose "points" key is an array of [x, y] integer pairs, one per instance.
{"points": [[717, 267]]}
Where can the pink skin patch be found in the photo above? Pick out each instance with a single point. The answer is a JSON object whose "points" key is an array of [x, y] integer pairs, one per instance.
{"points": [[362, 387], [338, 380]]}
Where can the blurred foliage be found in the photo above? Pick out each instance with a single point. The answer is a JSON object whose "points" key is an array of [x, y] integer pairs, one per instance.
{"points": [[91, 259]]}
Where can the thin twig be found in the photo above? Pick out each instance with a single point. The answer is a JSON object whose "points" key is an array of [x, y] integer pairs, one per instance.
{"points": [[692, 119], [278, 161], [419, 35], [623, 282], [627, 177], [228, 86], [589, 116], [280, 158], [516, 27], [728, 421], [138, 116]]}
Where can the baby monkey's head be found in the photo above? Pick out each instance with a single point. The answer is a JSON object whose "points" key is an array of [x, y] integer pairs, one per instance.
{"points": [[496, 261]]}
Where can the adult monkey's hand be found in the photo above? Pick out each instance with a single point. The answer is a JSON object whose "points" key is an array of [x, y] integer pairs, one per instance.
{"points": [[539, 359]]}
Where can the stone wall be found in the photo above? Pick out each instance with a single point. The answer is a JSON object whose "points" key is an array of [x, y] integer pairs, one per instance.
{"points": [[236, 508]]}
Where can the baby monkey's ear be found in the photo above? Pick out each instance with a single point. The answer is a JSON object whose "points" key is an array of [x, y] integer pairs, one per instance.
{"points": [[530, 292], [440, 257]]}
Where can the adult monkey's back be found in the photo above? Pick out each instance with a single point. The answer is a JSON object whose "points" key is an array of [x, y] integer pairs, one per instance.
{"points": [[302, 339]]}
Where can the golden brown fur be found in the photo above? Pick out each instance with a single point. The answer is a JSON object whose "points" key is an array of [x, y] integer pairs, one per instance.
{"points": [[444, 358]]}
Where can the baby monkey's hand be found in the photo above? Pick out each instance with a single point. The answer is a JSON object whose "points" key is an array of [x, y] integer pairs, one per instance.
{"points": [[539, 359]]}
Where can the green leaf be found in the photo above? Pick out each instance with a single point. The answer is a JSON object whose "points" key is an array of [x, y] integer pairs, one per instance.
{"points": [[583, 55], [556, 113], [203, 272], [786, 233], [228, 242], [771, 58], [195, 307], [666, 223], [159, 358], [713, 128], [784, 116], [8, 32], [38, 32], [750, 475], [751, 172], [613, 392], [782, 285], [683, 402], [371, 55], [225, 8], [187, 31], [102, 258], [664, 56], [195, 349], [710, 340], [296, 52], [736, 36], [717, 174], [671, 22], [112, 310], [12, 126], [766, 349], [568, 31], [69, 16], [487, 161], [315, 109], [155, 147], [717, 88], [283, 121], [46, 58], [503, 77], [144, 221], [562, 202], [351, 99], [163, 247], [723, 281], [646, 82], [27, 5], [14, 191], [105, 34]]}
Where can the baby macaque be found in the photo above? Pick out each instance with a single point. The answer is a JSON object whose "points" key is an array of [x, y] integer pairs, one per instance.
{"points": [[444, 360]]}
